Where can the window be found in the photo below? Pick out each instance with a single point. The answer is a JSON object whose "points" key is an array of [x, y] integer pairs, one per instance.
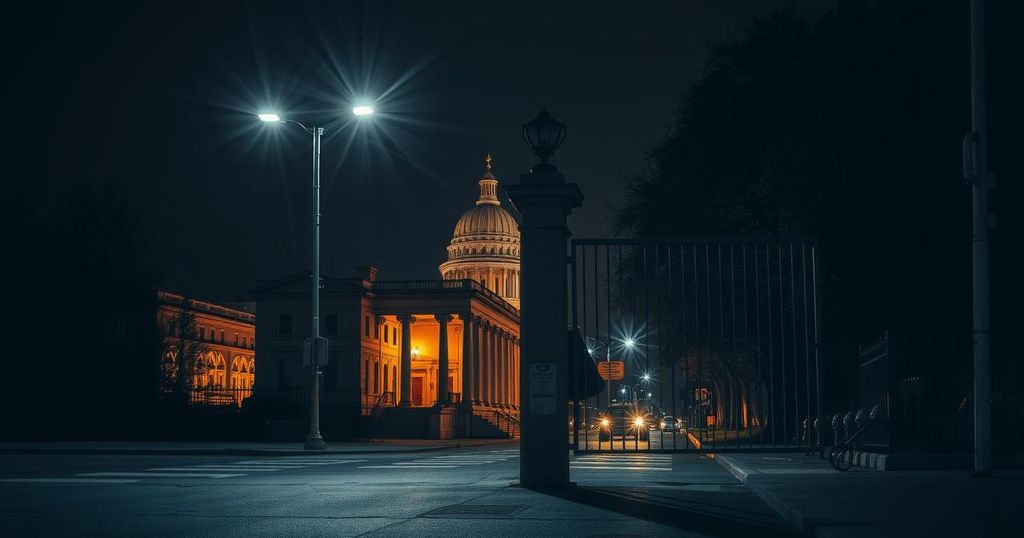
{"points": [[222, 337], [394, 335], [386, 331], [366, 326], [236, 339], [376, 331], [366, 373], [202, 333], [331, 324], [284, 325], [245, 341]]}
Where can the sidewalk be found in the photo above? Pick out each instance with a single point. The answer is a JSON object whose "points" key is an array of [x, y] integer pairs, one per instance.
{"points": [[384, 446], [821, 501]]}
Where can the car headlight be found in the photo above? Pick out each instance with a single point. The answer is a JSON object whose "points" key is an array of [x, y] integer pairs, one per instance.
{"points": [[638, 422], [605, 422], [662, 424]]}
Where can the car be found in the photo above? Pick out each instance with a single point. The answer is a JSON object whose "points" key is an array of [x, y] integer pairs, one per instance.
{"points": [[625, 420], [671, 424]]}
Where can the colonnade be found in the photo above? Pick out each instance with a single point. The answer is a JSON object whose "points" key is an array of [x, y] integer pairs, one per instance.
{"points": [[490, 362], [508, 279]]}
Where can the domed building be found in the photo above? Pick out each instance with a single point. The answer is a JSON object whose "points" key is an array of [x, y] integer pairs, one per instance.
{"points": [[485, 244]]}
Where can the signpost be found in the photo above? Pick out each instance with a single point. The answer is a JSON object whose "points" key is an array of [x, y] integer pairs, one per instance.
{"points": [[612, 370]]}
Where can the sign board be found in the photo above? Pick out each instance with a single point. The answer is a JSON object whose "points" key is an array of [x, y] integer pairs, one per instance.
{"points": [[321, 349], [612, 370], [542, 388]]}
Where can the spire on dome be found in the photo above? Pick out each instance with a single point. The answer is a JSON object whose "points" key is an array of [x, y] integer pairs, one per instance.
{"points": [[488, 185]]}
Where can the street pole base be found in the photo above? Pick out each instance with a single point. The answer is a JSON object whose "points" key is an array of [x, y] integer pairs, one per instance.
{"points": [[315, 443]]}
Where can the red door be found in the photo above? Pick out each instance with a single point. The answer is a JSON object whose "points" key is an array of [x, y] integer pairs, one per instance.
{"points": [[416, 391]]}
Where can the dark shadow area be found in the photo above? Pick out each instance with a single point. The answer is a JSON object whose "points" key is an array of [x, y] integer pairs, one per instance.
{"points": [[669, 507]]}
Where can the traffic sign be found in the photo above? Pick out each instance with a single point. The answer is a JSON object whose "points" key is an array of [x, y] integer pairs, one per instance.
{"points": [[611, 370]]}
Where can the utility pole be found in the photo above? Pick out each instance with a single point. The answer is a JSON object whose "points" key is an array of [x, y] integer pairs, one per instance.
{"points": [[976, 174]]}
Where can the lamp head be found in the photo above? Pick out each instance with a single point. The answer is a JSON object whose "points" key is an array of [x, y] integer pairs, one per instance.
{"points": [[544, 134], [269, 117]]}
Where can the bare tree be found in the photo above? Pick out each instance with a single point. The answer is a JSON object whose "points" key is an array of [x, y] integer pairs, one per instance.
{"points": [[184, 354]]}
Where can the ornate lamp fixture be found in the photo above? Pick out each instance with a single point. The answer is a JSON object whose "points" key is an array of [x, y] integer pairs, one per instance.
{"points": [[544, 134]]}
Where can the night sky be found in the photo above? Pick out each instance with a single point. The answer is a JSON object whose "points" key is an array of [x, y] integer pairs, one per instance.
{"points": [[161, 99]]}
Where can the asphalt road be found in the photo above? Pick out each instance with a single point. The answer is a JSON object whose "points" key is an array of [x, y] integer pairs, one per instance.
{"points": [[468, 492]]}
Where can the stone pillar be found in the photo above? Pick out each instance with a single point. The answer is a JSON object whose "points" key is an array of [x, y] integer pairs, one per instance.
{"points": [[502, 371], [479, 343], [467, 359], [406, 366], [485, 364], [506, 372], [493, 385], [516, 396], [544, 200], [442, 357]]}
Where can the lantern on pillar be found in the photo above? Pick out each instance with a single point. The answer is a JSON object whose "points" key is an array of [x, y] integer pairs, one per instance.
{"points": [[544, 134]]}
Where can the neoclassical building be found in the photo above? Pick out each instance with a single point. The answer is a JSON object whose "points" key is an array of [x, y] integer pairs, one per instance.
{"points": [[421, 358], [221, 342], [485, 245]]}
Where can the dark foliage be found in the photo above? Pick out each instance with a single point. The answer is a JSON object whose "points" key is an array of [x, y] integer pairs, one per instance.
{"points": [[848, 128]]}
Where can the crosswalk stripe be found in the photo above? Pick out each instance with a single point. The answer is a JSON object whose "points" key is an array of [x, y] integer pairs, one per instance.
{"points": [[162, 475], [433, 463], [245, 469], [600, 468], [406, 467], [70, 480]]}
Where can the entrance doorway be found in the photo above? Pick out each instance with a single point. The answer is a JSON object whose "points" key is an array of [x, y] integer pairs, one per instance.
{"points": [[416, 391]]}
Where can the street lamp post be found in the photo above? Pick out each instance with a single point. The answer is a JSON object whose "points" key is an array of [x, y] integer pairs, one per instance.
{"points": [[317, 345]]}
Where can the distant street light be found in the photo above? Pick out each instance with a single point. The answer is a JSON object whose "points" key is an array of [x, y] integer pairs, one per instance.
{"points": [[314, 441], [647, 377], [629, 343]]}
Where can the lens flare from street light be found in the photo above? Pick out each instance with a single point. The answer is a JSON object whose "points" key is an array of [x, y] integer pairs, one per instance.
{"points": [[362, 110], [647, 377], [629, 343], [638, 422], [269, 117]]}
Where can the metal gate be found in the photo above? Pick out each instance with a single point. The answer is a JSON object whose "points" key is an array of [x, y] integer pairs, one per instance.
{"points": [[702, 344]]}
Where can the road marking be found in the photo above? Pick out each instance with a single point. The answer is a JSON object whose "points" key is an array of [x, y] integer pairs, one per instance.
{"points": [[296, 463], [610, 468], [407, 467], [70, 480], [211, 469], [163, 475]]}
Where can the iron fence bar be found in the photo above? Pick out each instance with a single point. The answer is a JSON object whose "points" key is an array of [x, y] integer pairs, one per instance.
{"points": [[817, 338], [735, 357], [792, 319], [576, 323], [707, 306], [696, 343], [746, 345], [807, 352], [771, 341], [684, 344]]}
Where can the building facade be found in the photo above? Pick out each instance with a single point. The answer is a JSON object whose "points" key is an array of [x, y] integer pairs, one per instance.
{"points": [[213, 346], [414, 355]]}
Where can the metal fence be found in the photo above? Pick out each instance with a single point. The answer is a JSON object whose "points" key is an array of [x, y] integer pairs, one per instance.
{"points": [[717, 340]]}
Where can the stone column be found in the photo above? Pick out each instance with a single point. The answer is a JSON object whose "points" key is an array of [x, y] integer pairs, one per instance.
{"points": [[442, 357], [485, 364], [544, 200], [494, 365], [479, 367], [499, 357], [406, 366], [468, 334]]}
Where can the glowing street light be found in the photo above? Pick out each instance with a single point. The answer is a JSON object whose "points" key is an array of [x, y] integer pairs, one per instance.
{"points": [[314, 441], [629, 343], [647, 377]]}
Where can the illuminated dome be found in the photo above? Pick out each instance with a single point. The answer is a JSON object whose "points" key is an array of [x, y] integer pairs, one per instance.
{"points": [[485, 244]]}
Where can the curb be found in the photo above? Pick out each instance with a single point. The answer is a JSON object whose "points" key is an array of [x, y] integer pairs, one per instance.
{"points": [[226, 451], [793, 516]]}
